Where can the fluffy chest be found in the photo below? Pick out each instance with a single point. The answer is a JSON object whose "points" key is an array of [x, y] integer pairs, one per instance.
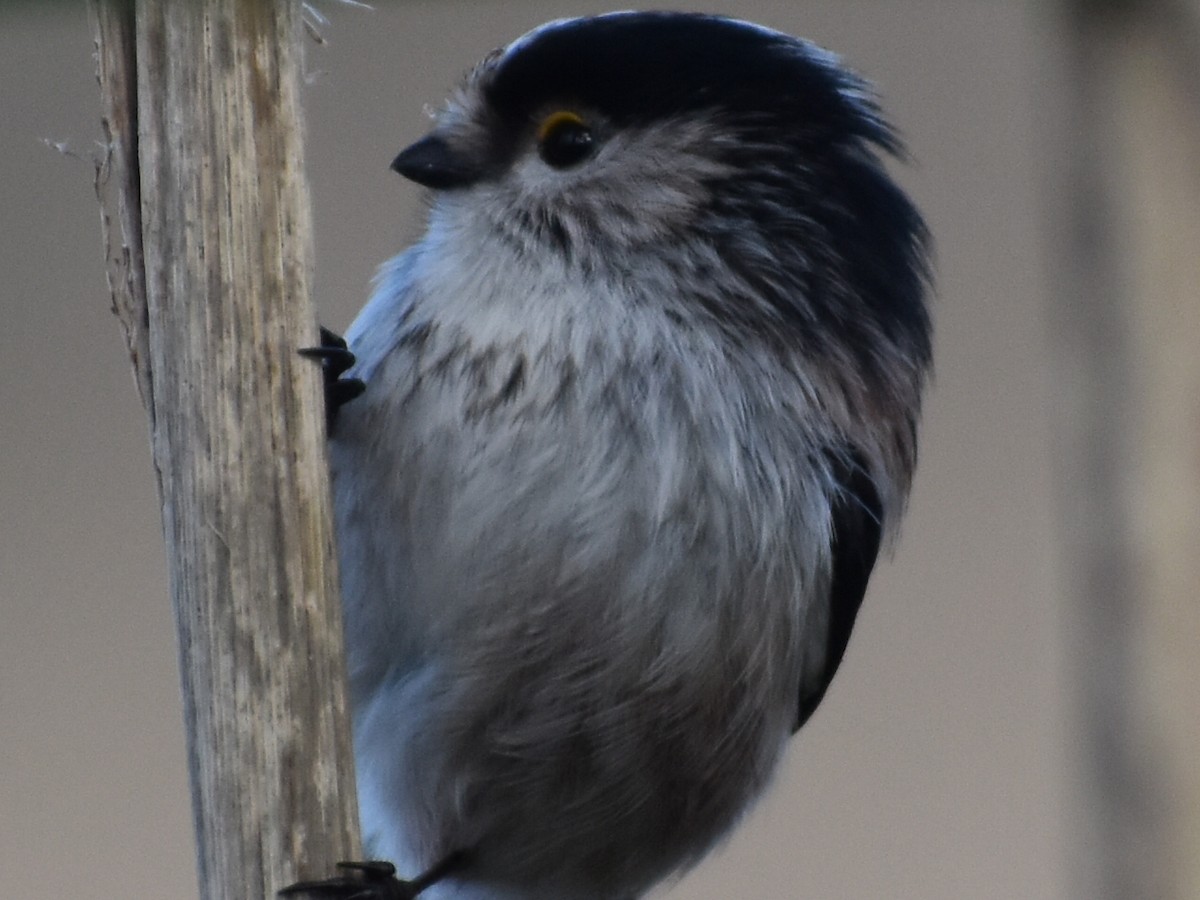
{"points": [[571, 530], [559, 453]]}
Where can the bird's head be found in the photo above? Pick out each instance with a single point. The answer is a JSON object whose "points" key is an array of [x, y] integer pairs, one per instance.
{"points": [[734, 172]]}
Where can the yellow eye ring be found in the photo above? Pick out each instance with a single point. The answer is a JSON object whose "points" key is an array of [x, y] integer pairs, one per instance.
{"points": [[564, 139], [557, 120]]}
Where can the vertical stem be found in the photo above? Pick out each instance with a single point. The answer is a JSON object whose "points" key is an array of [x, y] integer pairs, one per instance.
{"points": [[211, 190], [1128, 329]]}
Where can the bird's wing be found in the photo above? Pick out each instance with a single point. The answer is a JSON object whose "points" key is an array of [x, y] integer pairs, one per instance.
{"points": [[857, 529]]}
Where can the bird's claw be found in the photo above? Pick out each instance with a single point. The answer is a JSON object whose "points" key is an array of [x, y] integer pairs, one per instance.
{"points": [[367, 880], [335, 359], [374, 880]]}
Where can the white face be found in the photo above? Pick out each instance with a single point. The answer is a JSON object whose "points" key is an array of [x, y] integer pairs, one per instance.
{"points": [[642, 185], [639, 188]]}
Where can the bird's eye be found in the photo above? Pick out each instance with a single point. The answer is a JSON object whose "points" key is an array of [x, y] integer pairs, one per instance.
{"points": [[564, 139]]}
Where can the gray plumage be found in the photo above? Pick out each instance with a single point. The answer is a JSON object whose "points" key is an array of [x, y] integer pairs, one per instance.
{"points": [[590, 500]]}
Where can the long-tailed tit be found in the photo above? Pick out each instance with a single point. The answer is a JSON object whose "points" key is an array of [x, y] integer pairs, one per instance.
{"points": [[640, 408]]}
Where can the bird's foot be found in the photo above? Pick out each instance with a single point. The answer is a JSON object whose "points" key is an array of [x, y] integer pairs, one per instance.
{"points": [[335, 358], [371, 880]]}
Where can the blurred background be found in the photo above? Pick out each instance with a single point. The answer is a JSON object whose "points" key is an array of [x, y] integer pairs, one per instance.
{"points": [[1018, 715]]}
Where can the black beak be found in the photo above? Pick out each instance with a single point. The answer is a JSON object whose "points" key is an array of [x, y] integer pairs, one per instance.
{"points": [[433, 163]]}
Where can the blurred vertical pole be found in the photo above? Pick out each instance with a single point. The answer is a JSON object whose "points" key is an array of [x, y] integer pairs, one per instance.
{"points": [[1127, 336], [207, 224]]}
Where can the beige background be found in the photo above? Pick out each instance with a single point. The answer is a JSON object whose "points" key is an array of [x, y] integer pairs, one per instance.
{"points": [[942, 763]]}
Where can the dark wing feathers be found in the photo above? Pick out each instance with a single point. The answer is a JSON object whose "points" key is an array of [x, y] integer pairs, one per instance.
{"points": [[857, 529]]}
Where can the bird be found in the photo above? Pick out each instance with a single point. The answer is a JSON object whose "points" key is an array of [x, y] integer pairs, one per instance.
{"points": [[615, 446]]}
